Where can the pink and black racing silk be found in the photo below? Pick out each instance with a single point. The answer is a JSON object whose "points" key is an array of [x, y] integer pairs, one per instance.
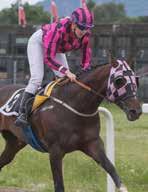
{"points": [[128, 89], [59, 38], [83, 17]]}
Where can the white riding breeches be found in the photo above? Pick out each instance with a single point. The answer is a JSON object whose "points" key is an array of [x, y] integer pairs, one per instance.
{"points": [[36, 62]]}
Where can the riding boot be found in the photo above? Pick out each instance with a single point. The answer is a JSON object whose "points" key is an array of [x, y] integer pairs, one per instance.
{"points": [[24, 111]]}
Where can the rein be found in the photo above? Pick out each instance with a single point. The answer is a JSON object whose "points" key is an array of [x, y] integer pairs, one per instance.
{"points": [[143, 75], [81, 84], [72, 109], [88, 88]]}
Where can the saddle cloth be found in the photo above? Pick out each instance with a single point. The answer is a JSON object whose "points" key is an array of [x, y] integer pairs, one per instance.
{"points": [[40, 99], [11, 107]]}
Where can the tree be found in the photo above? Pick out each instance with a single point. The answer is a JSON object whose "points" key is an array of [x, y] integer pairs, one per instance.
{"points": [[34, 15], [143, 19], [9, 16], [109, 13], [91, 4]]}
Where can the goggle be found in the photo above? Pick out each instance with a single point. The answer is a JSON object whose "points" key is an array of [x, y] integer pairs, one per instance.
{"points": [[82, 28]]}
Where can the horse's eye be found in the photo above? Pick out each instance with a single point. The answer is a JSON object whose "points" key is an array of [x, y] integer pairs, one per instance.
{"points": [[119, 82]]}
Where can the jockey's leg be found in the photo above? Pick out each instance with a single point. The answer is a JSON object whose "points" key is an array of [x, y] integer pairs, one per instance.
{"points": [[35, 57], [24, 111]]}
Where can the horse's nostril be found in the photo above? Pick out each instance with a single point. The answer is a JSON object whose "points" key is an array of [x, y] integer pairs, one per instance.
{"points": [[135, 112]]}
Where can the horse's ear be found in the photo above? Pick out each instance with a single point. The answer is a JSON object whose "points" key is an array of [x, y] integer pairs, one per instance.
{"points": [[112, 60]]}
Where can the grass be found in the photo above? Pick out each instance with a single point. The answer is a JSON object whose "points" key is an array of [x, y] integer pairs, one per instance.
{"points": [[30, 169]]}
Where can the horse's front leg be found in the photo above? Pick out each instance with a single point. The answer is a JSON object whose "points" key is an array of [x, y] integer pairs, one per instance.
{"points": [[13, 145], [56, 157], [95, 149]]}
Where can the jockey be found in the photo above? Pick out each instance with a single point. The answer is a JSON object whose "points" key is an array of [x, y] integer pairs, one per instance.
{"points": [[49, 44]]}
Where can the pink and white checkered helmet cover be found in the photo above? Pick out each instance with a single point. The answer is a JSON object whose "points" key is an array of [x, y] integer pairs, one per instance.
{"points": [[129, 89]]}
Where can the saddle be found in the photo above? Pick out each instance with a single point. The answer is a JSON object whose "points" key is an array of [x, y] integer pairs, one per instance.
{"points": [[11, 107], [41, 98]]}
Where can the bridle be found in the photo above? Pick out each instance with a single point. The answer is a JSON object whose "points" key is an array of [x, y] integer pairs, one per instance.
{"points": [[88, 88], [119, 100]]}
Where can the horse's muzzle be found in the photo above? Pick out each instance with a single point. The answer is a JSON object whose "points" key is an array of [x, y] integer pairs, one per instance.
{"points": [[131, 107], [134, 114]]}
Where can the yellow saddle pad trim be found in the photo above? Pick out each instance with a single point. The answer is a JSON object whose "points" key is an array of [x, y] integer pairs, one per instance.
{"points": [[50, 86], [39, 99]]}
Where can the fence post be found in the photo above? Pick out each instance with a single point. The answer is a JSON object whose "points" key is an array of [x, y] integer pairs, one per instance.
{"points": [[145, 108], [14, 71], [110, 144]]}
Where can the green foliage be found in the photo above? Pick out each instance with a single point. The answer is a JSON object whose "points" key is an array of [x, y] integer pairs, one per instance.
{"points": [[112, 13], [91, 4], [9, 15], [109, 13], [34, 15], [104, 13], [143, 19]]}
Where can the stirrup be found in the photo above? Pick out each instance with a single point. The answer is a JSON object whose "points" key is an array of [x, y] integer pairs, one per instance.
{"points": [[21, 121]]}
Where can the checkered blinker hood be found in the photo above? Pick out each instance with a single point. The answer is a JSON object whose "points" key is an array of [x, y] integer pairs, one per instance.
{"points": [[121, 82]]}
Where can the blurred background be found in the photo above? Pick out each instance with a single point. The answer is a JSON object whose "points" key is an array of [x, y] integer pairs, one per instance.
{"points": [[120, 25]]}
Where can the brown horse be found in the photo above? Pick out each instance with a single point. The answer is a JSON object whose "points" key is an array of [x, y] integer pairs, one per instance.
{"points": [[69, 121]]}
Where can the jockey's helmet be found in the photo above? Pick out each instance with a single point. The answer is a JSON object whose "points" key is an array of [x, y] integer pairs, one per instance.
{"points": [[83, 18]]}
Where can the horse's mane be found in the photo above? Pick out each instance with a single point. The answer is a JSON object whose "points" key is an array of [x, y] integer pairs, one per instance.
{"points": [[66, 83], [93, 67]]}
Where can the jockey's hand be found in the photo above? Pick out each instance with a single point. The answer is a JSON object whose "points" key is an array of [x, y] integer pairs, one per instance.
{"points": [[70, 75], [86, 69]]}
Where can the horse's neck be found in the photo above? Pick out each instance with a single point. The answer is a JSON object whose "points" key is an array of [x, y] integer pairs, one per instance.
{"points": [[100, 78], [82, 99], [98, 82]]}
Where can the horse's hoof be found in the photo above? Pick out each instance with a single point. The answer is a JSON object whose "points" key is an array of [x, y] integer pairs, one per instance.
{"points": [[123, 189]]}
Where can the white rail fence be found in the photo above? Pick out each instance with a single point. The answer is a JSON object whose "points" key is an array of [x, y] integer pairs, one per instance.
{"points": [[110, 143], [145, 108]]}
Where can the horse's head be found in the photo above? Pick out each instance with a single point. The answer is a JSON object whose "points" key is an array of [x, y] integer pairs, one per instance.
{"points": [[122, 89]]}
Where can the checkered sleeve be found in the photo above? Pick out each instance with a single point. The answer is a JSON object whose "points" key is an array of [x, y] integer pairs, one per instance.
{"points": [[87, 53], [51, 42]]}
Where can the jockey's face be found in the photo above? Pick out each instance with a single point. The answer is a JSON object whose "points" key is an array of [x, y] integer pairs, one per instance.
{"points": [[78, 32]]}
